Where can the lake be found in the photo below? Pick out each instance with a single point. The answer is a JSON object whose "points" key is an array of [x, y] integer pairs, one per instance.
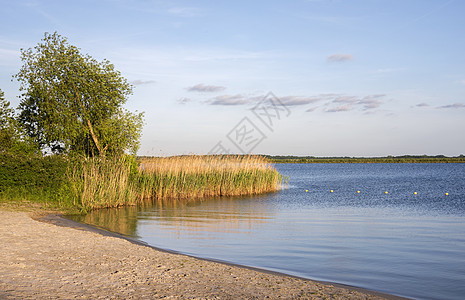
{"points": [[393, 228]]}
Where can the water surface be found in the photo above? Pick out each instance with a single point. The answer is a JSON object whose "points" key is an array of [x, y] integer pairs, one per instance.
{"points": [[397, 242]]}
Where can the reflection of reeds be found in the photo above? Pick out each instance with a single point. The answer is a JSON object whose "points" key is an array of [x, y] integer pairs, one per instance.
{"points": [[102, 183], [206, 176]]}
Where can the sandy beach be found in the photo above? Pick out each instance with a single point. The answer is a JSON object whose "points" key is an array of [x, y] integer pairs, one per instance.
{"points": [[44, 257]]}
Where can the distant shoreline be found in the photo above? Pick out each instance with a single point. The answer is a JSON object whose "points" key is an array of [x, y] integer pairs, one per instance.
{"points": [[347, 159], [387, 159]]}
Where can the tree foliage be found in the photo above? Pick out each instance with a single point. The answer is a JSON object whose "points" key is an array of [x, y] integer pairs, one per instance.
{"points": [[11, 138], [71, 102], [6, 123]]}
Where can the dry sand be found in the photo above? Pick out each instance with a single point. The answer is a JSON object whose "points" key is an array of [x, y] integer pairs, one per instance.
{"points": [[40, 260]]}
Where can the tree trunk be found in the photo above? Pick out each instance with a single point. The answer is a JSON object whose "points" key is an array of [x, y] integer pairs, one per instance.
{"points": [[94, 138]]}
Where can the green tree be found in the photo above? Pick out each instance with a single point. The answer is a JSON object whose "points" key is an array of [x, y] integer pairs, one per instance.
{"points": [[12, 139], [7, 124], [71, 102]]}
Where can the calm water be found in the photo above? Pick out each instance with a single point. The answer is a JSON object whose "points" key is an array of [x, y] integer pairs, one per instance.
{"points": [[399, 243]]}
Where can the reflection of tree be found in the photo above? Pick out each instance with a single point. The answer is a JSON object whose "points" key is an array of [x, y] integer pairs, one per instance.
{"points": [[222, 214], [122, 221]]}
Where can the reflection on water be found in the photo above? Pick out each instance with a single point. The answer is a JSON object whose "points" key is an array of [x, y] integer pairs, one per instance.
{"points": [[400, 242], [123, 221], [221, 215]]}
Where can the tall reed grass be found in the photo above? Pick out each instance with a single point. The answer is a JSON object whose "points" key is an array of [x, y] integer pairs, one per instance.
{"points": [[99, 183], [103, 182], [206, 176]]}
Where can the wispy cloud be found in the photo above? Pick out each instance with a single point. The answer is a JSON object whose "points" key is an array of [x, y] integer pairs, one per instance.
{"points": [[338, 103], [340, 108], [371, 101], [296, 100], [311, 109], [245, 100], [345, 99], [339, 57], [142, 82], [229, 100], [453, 106], [329, 102], [423, 104], [184, 100], [332, 102], [205, 88]]}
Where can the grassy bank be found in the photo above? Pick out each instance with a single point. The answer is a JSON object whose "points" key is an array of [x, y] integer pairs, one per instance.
{"points": [[83, 184]]}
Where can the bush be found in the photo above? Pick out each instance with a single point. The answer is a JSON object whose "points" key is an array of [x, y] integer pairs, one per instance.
{"points": [[35, 178]]}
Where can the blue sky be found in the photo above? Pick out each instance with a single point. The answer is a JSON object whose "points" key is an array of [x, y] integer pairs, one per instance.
{"points": [[348, 78]]}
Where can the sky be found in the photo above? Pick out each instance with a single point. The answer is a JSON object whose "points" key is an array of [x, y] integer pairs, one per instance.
{"points": [[300, 77]]}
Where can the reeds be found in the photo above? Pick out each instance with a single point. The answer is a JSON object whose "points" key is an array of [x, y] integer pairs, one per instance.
{"points": [[195, 176], [99, 183]]}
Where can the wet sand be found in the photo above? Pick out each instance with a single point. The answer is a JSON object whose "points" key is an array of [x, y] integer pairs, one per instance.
{"points": [[47, 257]]}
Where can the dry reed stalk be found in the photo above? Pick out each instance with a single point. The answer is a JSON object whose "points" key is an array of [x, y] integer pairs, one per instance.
{"points": [[197, 176], [100, 183]]}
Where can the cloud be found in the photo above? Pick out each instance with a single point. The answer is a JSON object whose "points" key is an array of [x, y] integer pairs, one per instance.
{"points": [[453, 106], [423, 104], [462, 82], [296, 100], [339, 57], [243, 100], [346, 103], [345, 99], [340, 108], [333, 102], [371, 101], [205, 88], [311, 109], [142, 82], [229, 100], [184, 100]]}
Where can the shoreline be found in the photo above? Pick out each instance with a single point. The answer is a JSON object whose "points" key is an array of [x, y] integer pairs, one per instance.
{"points": [[60, 220], [131, 268]]}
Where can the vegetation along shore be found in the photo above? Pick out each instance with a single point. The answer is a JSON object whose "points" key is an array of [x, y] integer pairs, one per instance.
{"points": [[71, 144]]}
